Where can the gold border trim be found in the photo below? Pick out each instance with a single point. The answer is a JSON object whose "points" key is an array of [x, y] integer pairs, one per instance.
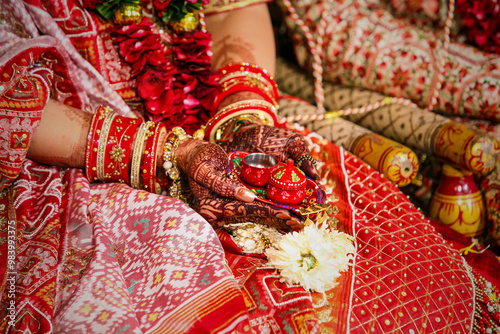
{"points": [[216, 8]]}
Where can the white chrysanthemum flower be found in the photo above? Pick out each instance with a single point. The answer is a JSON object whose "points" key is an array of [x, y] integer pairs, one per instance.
{"points": [[313, 257]]}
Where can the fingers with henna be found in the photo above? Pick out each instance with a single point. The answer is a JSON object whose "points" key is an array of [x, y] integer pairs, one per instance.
{"points": [[219, 183], [220, 209], [257, 209], [297, 149], [280, 224], [308, 166], [208, 168]]}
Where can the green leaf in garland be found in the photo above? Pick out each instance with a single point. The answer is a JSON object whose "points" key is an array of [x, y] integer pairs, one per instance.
{"points": [[177, 9], [108, 8]]}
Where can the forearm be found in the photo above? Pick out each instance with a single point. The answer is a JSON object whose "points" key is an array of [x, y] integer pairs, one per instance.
{"points": [[61, 137], [243, 35]]}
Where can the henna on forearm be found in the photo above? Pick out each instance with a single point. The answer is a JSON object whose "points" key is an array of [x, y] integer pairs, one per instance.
{"points": [[75, 159], [61, 138], [243, 35], [230, 49]]}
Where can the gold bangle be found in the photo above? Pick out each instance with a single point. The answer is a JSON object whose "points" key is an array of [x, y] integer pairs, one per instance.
{"points": [[250, 103], [262, 109], [103, 141], [137, 154], [174, 138], [250, 80]]}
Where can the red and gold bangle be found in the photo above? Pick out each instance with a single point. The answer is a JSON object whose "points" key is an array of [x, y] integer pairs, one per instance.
{"points": [[269, 87], [148, 168], [103, 143], [137, 154], [234, 86], [118, 148], [93, 142], [249, 70], [174, 138], [259, 108]]}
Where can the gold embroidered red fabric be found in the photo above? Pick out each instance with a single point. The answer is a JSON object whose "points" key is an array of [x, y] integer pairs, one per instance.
{"points": [[218, 6], [24, 91]]}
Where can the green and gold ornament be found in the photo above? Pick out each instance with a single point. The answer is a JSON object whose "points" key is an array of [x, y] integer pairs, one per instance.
{"points": [[180, 15]]}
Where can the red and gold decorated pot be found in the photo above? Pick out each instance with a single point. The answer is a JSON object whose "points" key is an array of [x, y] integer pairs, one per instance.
{"points": [[287, 185], [458, 202]]}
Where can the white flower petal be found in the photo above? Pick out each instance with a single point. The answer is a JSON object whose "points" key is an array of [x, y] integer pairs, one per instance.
{"points": [[332, 252]]}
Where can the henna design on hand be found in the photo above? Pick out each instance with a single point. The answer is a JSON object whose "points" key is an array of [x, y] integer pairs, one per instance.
{"points": [[219, 211], [218, 198], [281, 143]]}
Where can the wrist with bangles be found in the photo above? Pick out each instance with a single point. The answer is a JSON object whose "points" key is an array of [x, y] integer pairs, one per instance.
{"points": [[241, 113], [235, 79], [174, 138], [246, 77], [127, 150]]}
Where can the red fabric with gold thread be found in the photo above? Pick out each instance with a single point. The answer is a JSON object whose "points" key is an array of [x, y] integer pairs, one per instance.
{"points": [[23, 96], [406, 277]]}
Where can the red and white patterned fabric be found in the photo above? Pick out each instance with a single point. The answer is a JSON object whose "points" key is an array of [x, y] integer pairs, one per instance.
{"points": [[91, 258], [107, 259]]}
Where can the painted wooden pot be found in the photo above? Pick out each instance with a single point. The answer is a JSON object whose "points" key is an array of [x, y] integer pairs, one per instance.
{"points": [[287, 185], [458, 202]]}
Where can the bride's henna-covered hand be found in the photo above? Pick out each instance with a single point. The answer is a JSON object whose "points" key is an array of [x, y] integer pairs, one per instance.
{"points": [[281, 143], [219, 199]]}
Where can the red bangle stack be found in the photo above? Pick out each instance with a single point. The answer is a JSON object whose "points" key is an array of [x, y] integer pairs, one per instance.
{"points": [[118, 149], [93, 138], [109, 145], [235, 78], [246, 77], [122, 149], [261, 109]]}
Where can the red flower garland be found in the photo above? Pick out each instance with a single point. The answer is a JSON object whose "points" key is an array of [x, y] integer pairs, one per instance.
{"points": [[482, 17], [176, 84], [140, 44], [91, 4], [198, 86]]}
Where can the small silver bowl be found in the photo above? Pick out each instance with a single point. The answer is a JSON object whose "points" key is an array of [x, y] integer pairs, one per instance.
{"points": [[257, 167], [260, 160]]}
